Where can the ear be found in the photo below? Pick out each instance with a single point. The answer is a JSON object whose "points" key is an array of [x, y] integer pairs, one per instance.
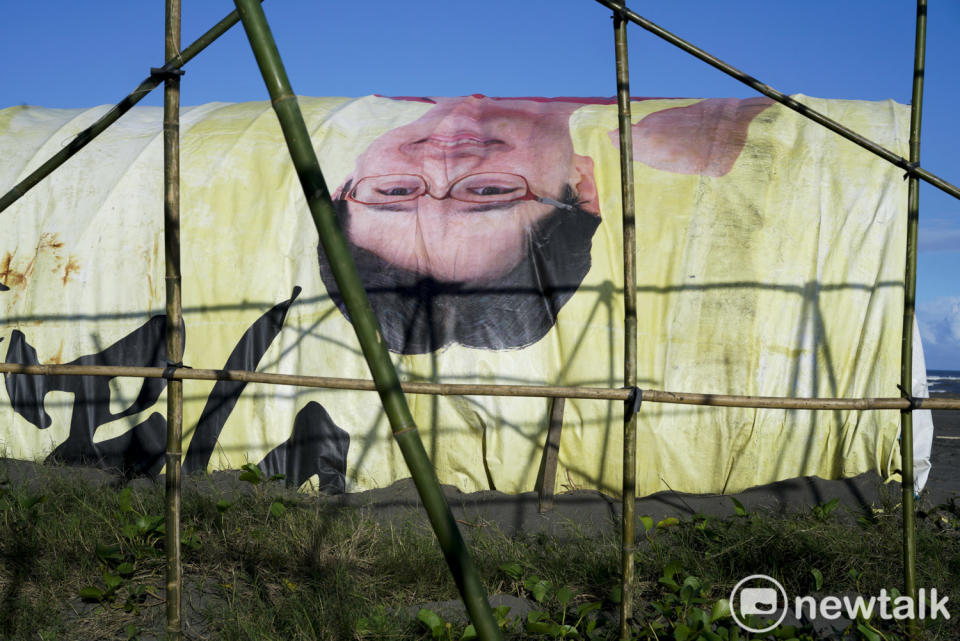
{"points": [[584, 184], [703, 138]]}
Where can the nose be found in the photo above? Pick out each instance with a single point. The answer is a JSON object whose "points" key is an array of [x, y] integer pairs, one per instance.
{"points": [[442, 169]]}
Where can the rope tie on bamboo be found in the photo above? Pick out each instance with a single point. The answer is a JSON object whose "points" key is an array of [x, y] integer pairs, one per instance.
{"points": [[405, 430], [911, 168], [909, 397], [172, 367], [634, 401], [166, 72], [619, 12]]}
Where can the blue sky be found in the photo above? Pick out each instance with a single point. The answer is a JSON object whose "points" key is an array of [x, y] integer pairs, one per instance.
{"points": [[71, 54]]}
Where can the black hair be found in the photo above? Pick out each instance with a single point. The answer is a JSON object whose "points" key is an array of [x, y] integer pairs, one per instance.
{"points": [[419, 314]]}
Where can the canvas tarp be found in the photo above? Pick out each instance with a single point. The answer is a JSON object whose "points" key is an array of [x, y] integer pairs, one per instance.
{"points": [[769, 259]]}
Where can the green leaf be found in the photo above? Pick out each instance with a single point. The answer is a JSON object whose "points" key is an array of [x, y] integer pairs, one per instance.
{"points": [[817, 578], [500, 614], [868, 634], [669, 582], [535, 615], [29, 502], [693, 582], [823, 511], [469, 633], [433, 622], [563, 596], [123, 499], [668, 522], [91, 593], [541, 590], [113, 581], [672, 569], [738, 508], [108, 553], [721, 610], [543, 627], [586, 608], [125, 568], [155, 523], [616, 594], [223, 505], [277, 509], [130, 531], [251, 474], [647, 523], [682, 632], [512, 570]]}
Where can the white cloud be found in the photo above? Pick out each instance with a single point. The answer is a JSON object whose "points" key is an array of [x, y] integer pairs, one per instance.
{"points": [[934, 240], [939, 321], [939, 234]]}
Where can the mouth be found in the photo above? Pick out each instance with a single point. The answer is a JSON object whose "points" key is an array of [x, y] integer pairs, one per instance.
{"points": [[458, 141]]}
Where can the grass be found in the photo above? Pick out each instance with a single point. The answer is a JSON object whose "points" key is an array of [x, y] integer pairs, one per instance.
{"points": [[308, 570]]}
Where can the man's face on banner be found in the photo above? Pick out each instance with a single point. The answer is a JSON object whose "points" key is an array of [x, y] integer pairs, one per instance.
{"points": [[474, 223], [452, 195]]}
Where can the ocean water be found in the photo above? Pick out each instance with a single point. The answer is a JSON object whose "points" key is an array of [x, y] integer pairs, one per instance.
{"points": [[943, 382]]}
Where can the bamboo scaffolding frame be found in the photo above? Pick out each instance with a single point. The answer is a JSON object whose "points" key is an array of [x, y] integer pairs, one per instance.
{"points": [[909, 302], [391, 389], [479, 389], [364, 323], [174, 314], [86, 136], [629, 481], [787, 101]]}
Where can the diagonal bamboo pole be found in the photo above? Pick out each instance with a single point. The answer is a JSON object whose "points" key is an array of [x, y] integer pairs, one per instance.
{"points": [[629, 490], [364, 323], [171, 245], [83, 138], [786, 100], [909, 301]]}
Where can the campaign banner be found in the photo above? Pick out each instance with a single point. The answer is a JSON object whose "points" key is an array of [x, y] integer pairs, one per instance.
{"points": [[488, 233]]}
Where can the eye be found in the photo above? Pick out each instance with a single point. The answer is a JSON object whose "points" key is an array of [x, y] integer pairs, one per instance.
{"points": [[375, 190], [490, 188], [396, 191]]}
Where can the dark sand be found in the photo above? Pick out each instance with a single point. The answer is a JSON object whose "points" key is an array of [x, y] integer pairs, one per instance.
{"points": [[587, 511]]}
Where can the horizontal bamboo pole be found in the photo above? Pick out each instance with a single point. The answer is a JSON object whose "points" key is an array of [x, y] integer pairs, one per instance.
{"points": [[785, 100], [471, 389], [86, 136]]}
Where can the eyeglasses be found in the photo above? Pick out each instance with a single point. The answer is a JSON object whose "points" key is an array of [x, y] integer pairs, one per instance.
{"points": [[485, 188]]}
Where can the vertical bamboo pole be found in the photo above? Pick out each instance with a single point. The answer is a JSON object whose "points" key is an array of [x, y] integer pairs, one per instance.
{"points": [[909, 300], [364, 323], [629, 321], [171, 246]]}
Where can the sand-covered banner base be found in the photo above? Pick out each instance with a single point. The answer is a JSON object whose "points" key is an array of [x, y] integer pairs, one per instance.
{"points": [[488, 233]]}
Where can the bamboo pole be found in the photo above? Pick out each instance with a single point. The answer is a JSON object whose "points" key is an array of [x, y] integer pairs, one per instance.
{"points": [[629, 491], [470, 389], [364, 323], [83, 138], [171, 244], [909, 301], [787, 101]]}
